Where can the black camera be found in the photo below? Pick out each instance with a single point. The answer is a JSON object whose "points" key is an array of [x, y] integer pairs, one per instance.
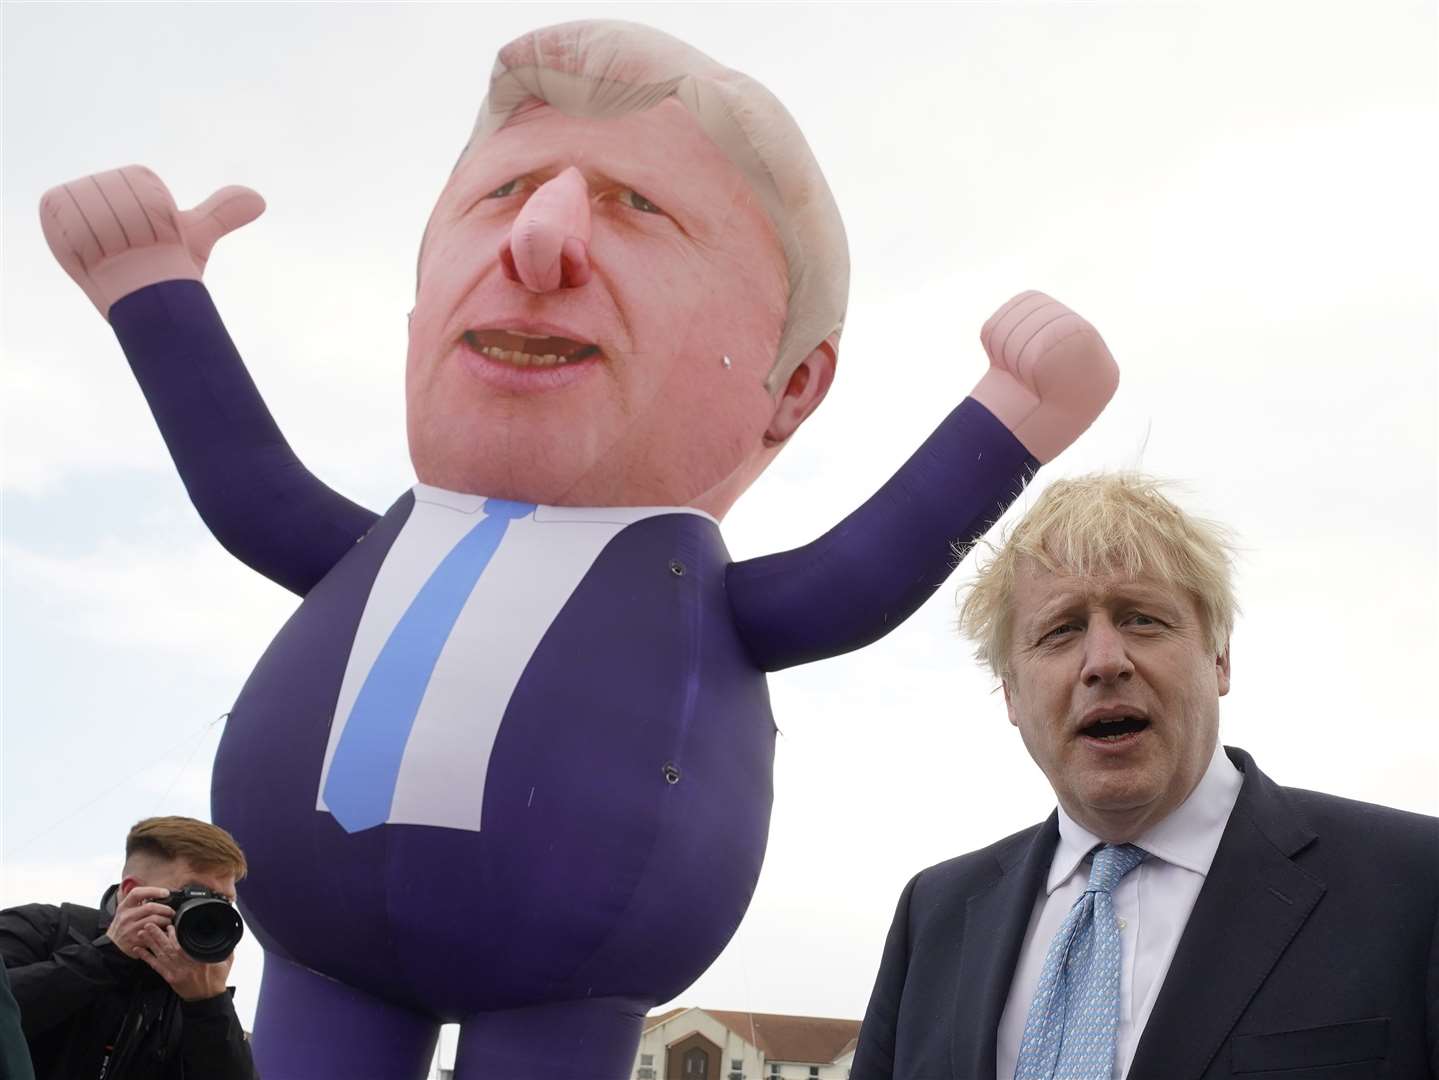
{"points": [[206, 924]]}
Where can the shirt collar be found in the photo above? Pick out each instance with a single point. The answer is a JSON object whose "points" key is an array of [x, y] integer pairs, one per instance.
{"points": [[619, 515], [1187, 838]]}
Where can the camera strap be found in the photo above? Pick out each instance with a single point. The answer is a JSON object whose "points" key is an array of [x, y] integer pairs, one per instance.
{"points": [[144, 1038]]}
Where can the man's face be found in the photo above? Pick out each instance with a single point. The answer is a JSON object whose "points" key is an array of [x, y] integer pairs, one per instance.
{"points": [[1134, 652], [686, 270], [175, 874]]}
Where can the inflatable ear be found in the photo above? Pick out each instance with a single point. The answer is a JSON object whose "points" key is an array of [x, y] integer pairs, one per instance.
{"points": [[805, 388]]}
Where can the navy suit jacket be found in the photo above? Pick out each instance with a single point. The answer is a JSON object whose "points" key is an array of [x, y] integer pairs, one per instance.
{"points": [[1312, 951]]}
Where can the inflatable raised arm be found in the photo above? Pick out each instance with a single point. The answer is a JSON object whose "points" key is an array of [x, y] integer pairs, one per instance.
{"points": [[509, 764], [1050, 374], [139, 259]]}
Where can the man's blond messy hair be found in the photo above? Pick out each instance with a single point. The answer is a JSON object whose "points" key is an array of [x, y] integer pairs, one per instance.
{"points": [[1102, 524], [207, 848]]}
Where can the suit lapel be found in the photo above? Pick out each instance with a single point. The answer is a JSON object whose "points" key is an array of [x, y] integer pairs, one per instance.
{"points": [[994, 924], [1253, 902]]}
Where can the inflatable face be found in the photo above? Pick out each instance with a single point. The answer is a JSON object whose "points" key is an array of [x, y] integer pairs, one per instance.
{"points": [[631, 289], [600, 303]]}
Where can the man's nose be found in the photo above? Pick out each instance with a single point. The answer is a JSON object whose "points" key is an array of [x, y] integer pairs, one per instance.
{"points": [[549, 244], [1106, 660]]}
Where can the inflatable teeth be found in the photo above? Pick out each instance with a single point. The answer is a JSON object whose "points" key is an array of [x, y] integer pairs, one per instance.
{"points": [[524, 359]]}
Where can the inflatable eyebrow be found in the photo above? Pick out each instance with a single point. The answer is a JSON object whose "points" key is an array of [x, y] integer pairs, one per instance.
{"points": [[509, 762]]}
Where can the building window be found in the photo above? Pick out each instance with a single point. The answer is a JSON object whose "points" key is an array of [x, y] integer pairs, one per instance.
{"points": [[773, 1068], [814, 1070], [646, 1071], [736, 1069]]}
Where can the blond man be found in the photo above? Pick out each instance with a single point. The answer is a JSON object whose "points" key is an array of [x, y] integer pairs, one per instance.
{"points": [[1179, 914], [109, 991]]}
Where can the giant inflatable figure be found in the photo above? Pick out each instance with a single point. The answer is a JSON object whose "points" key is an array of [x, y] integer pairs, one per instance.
{"points": [[509, 762]]}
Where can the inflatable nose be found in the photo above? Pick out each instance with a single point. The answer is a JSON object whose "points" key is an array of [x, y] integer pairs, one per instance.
{"points": [[549, 244]]}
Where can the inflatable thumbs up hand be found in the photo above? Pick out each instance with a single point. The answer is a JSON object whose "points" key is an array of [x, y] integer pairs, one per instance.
{"points": [[116, 232]]}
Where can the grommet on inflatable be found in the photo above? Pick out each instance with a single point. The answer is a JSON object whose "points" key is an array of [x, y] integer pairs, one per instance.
{"points": [[509, 763]]}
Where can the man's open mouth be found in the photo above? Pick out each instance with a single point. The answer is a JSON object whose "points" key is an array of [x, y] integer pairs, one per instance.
{"points": [[529, 350], [1112, 728]]}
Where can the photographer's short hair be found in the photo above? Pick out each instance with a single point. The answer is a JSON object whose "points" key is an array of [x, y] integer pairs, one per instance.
{"points": [[1100, 524], [204, 846]]}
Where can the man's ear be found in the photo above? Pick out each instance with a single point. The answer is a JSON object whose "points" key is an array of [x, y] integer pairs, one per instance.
{"points": [[1009, 702], [803, 391], [1221, 668]]}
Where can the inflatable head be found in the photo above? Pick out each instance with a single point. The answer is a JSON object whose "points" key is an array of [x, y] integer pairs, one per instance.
{"points": [[630, 290]]}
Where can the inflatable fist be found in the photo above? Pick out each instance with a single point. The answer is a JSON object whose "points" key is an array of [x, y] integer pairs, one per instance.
{"points": [[1050, 373]]}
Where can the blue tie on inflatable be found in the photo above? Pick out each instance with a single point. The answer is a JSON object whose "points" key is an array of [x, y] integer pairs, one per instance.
{"points": [[361, 783]]}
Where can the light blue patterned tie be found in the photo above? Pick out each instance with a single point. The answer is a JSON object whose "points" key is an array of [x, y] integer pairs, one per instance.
{"points": [[360, 786], [1074, 1017]]}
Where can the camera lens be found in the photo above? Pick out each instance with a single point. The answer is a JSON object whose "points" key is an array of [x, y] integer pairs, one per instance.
{"points": [[208, 929]]}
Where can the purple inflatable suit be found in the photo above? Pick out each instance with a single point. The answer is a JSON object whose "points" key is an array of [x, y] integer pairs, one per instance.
{"points": [[509, 763]]}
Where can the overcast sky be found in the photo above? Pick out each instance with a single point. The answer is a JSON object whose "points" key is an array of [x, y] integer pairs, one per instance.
{"points": [[1239, 196]]}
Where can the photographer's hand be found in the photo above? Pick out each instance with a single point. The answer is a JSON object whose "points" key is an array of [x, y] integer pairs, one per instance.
{"points": [[135, 912], [188, 977]]}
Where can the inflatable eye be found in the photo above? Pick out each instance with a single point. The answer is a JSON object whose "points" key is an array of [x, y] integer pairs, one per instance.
{"points": [[505, 189], [636, 201]]}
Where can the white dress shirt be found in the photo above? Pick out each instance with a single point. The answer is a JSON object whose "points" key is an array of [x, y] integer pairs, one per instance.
{"points": [[1152, 903]]}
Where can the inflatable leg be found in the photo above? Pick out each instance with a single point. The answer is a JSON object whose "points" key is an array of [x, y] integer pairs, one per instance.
{"points": [[308, 1025], [594, 1039]]}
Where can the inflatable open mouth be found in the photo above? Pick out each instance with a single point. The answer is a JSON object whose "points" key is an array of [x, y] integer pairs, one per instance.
{"points": [[529, 350]]}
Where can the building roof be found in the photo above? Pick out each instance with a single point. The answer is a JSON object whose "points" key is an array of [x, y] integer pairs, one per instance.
{"points": [[806, 1039], [656, 1019]]}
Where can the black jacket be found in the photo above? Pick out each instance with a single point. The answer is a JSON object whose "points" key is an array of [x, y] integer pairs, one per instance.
{"points": [[83, 1001], [14, 1054], [1312, 952]]}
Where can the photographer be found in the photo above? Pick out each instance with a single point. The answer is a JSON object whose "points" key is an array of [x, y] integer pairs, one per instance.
{"points": [[112, 992]]}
